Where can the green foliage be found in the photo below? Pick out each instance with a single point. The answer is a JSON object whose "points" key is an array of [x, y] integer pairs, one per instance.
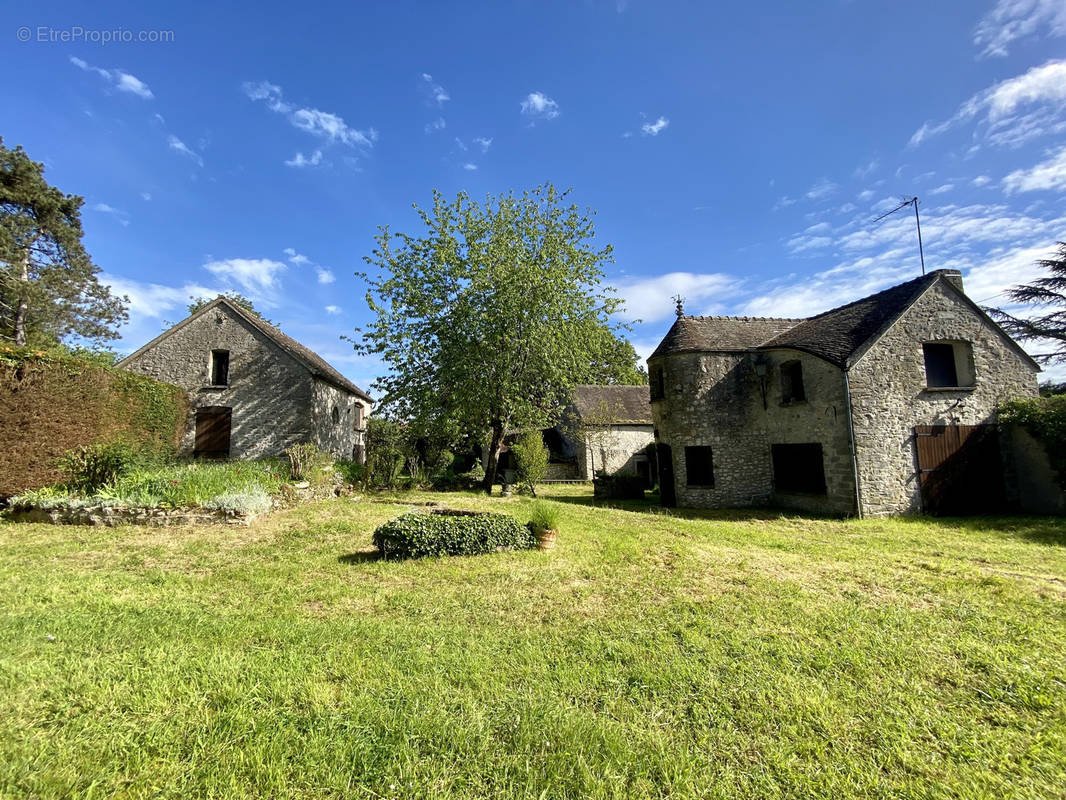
{"points": [[1047, 296], [1045, 419], [544, 516], [417, 535], [49, 286], [531, 459], [307, 462], [88, 469], [619, 487], [352, 472], [488, 319], [384, 452]]}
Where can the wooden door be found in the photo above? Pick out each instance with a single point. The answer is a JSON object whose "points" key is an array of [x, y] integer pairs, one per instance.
{"points": [[213, 432], [960, 469], [667, 494]]}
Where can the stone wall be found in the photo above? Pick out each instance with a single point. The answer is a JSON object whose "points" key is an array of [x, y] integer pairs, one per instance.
{"points": [[614, 450], [889, 394], [113, 516], [716, 400], [269, 391], [339, 438]]}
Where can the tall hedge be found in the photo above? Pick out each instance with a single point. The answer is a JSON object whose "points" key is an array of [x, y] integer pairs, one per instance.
{"points": [[1045, 419], [51, 402]]}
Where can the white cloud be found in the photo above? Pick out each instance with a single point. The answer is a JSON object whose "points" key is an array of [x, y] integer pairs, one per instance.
{"points": [[866, 195], [296, 258], [179, 146], [942, 189], [1011, 20], [257, 276], [324, 275], [1048, 175], [122, 81], [650, 299], [654, 128], [863, 170], [146, 196], [460, 145], [436, 125], [538, 104], [981, 180], [155, 300], [1012, 111], [469, 166], [483, 142], [299, 259], [333, 310], [821, 189], [300, 160], [311, 120], [437, 92], [121, 216]]}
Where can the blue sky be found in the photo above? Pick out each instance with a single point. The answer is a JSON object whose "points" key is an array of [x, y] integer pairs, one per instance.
{"points": [[735, 154]]}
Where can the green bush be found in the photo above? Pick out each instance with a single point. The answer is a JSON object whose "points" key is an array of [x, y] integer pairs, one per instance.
{"points": [[531, 459], [88, 469], [416, 535], [384, 452], [1045, 419], [352, 472]]}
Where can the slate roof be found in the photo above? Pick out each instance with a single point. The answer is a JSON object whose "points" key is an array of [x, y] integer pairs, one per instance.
{"points": [[311, 360], [626, 404], [721, 333], [836, 335]]}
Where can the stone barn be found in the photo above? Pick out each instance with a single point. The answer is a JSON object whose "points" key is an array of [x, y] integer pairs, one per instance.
{"points": [[882, 406], [253, 390], [604, 429]]}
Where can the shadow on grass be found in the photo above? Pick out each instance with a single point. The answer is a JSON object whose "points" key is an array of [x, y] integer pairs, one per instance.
{"points": [[651, 507], [1045, 529], [360, 557]]}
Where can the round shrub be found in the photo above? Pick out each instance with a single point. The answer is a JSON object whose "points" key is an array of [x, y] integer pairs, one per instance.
{"points": [[415, 535]]}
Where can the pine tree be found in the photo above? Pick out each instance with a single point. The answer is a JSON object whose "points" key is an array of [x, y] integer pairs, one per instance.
{"points": [[1048, 293], [49, 287]]}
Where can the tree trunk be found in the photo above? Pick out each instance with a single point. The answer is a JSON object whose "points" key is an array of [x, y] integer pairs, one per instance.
{"points": [[494, 457], [22, 303]]}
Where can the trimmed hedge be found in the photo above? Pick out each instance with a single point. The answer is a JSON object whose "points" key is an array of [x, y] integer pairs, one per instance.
{"points": [[443, 534], [1045, 419], [52, 402]]}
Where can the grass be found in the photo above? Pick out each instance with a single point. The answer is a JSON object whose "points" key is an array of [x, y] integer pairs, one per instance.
{"points": [[237, 485], [649, 655]]}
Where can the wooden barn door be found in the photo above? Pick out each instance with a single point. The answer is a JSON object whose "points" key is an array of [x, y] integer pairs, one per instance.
{"points": [[960, 469], [212, 432], [667, 494]]}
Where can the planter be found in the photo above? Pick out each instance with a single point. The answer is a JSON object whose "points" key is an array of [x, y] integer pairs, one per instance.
{"points": [[545, 539]]}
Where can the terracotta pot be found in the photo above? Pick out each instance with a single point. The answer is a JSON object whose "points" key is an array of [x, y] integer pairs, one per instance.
{"points": [[545, 539]]}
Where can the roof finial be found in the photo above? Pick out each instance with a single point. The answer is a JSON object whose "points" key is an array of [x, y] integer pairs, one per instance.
{"points": [[679, 301]]}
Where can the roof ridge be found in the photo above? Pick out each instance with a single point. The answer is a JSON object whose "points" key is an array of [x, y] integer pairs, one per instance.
{"points": [[734, 316]]}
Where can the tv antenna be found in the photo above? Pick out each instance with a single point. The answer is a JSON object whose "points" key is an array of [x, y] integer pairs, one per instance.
{"points": [[909, 201]]}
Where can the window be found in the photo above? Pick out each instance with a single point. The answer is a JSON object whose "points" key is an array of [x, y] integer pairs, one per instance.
{"points": [[792, 389], [357, 422], [220, 367], [699, 466], [658, 383], [335, 415], [798, 468], [948, 364]]}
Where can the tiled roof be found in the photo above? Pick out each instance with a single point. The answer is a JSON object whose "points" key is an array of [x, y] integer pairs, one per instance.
{"points": [[835, 335], [625, 404], [721, 333]]}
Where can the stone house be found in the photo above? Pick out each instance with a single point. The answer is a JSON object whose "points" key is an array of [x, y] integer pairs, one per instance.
{"points": [[881, 406], [253, 391], [604, 429]]}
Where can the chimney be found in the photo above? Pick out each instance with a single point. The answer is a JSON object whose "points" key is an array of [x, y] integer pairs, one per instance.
{"points": [[954, 277]]}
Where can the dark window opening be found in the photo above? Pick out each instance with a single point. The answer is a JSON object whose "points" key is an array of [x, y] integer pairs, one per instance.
{"points": [[220, 367], [335, 414], [798, 468], [792, 389], [699, 466], [940, 364], [658, 384]]}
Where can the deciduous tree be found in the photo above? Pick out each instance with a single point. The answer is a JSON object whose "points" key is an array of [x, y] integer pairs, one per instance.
{"points": [[49, 287], [489, 317]]}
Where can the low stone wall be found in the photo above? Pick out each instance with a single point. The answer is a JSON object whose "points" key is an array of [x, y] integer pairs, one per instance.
{"points": [[112, 516]]}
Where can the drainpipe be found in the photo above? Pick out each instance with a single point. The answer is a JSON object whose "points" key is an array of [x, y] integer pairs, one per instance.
{"points": [[851, 446]]}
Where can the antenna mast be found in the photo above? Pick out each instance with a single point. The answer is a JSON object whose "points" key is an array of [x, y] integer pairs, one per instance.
{"points": [[910, 201]]}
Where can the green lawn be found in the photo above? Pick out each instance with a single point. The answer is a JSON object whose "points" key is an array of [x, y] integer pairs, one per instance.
{"points": [[690, 655]]}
